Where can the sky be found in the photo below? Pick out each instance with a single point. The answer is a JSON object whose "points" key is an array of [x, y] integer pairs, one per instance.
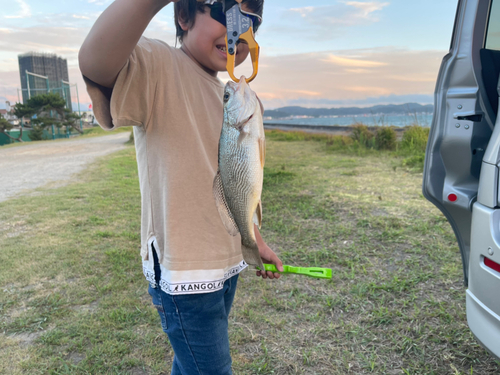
{"points": [[315, 53]]}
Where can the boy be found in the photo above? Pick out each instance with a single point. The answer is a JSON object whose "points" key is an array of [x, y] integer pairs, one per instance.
{"points": [[173, 99]]}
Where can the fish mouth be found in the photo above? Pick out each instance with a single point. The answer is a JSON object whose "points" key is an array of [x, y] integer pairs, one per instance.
{"points": [[240, 86], [241, 89]]}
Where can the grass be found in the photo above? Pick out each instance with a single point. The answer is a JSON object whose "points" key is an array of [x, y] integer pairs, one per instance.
{"points": [[98, 131], [73, 299], [363, 142]]}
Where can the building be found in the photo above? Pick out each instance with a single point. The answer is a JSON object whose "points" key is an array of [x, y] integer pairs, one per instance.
{"points": [[8, 114], [41, 73]]}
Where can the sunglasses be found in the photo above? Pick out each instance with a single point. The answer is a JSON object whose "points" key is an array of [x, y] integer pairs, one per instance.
{"points": [[217, 14]]}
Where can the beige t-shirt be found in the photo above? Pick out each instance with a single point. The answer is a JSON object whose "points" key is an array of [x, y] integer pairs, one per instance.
{"points": [[177, 111]]}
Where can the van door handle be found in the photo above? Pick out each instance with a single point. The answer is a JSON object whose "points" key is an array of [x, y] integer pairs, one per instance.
{"points": [[468, 116]]}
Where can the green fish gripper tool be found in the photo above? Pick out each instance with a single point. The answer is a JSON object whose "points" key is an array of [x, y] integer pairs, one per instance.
{"points": [[318, 272]]}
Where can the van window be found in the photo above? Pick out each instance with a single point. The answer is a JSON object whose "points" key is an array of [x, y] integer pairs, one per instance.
{"points": [[493, 33]]}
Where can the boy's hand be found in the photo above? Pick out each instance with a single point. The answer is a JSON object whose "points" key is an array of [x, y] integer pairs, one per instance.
{"points": [[267, 256]]}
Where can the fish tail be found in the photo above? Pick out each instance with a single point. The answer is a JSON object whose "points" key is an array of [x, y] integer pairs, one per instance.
{"points": [[251, 255]]}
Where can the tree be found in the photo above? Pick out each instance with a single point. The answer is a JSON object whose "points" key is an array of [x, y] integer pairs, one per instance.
{"points": [[5, 126], [49, 110]]}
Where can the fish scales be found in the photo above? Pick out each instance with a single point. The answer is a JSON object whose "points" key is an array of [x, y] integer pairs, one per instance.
{"points": [[238, 183], [239, 177]]}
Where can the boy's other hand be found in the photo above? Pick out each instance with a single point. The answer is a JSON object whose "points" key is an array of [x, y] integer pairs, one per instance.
{"points": [[269, 256]]}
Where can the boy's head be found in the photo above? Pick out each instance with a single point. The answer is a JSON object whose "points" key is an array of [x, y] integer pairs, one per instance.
{"points": [[186, 10]]}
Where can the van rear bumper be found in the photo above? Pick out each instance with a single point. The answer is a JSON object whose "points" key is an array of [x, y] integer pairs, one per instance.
{"points": [[484, 324]]}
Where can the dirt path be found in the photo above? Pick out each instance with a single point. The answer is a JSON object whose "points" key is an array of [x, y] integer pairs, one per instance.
{"points": [[34, 165]]}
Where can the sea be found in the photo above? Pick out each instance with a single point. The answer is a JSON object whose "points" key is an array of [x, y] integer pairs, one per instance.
{"points": [[422, 119]]}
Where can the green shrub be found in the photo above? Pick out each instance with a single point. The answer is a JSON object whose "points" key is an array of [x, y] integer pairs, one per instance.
{"points": [[36, 133], [415, 139], [339, 140], [415, 162], [385, 138], [362, 135], [283, 135]]}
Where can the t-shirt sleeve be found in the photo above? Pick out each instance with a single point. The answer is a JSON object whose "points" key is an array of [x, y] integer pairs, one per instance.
{"points": [[131, 100]]}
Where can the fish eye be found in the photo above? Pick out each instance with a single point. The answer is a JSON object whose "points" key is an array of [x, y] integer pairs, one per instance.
{"points": [[226, 97]]}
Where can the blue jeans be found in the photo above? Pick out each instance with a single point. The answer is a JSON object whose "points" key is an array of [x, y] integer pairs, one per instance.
{"points": [[197, 327]]}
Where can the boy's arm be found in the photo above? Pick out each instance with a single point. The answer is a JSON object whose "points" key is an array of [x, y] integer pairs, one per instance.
{"points": [[113, 38], [268, 256]]}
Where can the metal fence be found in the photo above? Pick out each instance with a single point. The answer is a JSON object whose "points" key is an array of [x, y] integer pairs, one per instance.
{"points": [[37, 84], [50, 133]]}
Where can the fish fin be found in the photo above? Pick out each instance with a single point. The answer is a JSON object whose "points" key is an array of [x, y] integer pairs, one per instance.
{"points": [[257, 216], [262, 151], [221, 203], [260, 103], [251, 256]]}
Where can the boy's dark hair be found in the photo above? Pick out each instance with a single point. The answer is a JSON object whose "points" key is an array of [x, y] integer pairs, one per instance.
{"points": [[187, 10]]}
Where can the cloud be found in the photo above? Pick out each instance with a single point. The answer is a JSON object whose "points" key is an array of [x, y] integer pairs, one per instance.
{"points": [[305, 92], [84, 19], [311, 80], [358, 71], [25, 11], [99, 2], [9, 83], [370, 90], [80, 17], [325, 22], [366, 8], [304, 11], [321, 24], [351, 78], [332, 77], [62, 34], [64, 41], [352, 62]]}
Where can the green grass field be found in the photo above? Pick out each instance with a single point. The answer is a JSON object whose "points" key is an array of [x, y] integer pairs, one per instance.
{"points": [[73, 299]]}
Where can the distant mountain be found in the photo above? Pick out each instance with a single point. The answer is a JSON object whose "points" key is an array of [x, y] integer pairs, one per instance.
{"points": [[408, 109]]}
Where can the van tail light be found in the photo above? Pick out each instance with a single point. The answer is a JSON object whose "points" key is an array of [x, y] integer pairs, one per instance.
{"points": [[493, 265]]}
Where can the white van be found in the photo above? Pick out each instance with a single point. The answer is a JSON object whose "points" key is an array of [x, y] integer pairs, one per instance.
{"points": [[461, 173]]}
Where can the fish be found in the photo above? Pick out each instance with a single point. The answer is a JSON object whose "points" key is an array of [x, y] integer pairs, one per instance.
{"points": [[237, 186]]}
